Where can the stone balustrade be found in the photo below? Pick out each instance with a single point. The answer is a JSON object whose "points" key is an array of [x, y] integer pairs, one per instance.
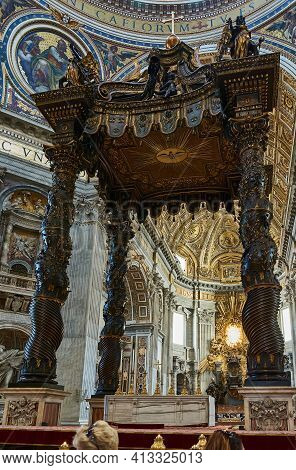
{"points": [[13, 280]]}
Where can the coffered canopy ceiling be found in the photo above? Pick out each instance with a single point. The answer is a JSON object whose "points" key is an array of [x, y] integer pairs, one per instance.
{"points": [[200, 160]]}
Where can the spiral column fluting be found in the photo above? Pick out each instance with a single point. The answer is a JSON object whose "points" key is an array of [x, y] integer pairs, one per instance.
{"points": [[119, 235], [39, 365], [260, 312]]}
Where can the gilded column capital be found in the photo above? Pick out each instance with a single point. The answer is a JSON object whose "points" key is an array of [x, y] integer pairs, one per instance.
{"points": [[250, 132], [59, 154]]}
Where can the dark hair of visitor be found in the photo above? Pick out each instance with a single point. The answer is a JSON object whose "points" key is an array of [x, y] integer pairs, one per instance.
{"points": [[224, 440]]}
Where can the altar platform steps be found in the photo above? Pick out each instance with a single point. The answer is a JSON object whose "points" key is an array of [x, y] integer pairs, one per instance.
{"points": [[178, 438]]}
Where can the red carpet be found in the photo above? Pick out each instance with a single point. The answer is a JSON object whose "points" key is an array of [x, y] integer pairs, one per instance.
{"points": [[139, 438]]}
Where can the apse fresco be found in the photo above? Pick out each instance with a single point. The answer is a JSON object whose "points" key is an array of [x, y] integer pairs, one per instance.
{"points": [[284, 27], [7, 7], [114, 57], [43, 58]]}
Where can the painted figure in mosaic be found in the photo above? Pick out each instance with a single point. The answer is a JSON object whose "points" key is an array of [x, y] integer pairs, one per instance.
{"points": [[50, 67], [7, 7], [43, 69], [285, 27], [28, 49], [114, 59]]}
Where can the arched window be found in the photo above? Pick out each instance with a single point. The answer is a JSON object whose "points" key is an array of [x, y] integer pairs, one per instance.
{"points": [[286, 324], [183, 262], [179, 329]]}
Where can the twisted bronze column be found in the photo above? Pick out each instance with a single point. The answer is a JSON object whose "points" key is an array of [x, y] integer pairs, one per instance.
{"points": [[260, 312], [119, 234], [39, 365]]}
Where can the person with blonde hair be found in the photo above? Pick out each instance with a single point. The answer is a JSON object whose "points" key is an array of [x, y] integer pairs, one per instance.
{"points": [[98, 436], [224, 440]]}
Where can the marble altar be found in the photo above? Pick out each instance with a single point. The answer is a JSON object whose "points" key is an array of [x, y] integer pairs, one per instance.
{"points": [[168, 410]]}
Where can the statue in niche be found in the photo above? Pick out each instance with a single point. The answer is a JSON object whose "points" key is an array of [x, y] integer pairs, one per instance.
{"points": [[16, 304], [10, 362], [16, 203]]}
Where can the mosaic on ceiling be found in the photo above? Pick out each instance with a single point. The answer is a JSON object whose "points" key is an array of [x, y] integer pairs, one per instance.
{"points": [[149, 18], [42, 55], [8, 7], [283, 27], [43, 58], [114, 57], [14, 103]]}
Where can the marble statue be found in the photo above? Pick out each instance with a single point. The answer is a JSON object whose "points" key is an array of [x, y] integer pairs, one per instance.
{"points": [[10, 362]]}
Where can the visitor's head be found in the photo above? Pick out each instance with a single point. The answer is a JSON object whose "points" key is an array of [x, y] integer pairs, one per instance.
{"points": [[98, 436], [224, 440]]}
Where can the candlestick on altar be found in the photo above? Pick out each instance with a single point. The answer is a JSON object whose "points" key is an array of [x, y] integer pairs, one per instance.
{"points": [[144, 389], [119, 391], [157, 389], [132, 385], [184, 390], [171, 390]]}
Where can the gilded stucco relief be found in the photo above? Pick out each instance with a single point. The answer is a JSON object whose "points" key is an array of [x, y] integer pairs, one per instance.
{"points": [[209, 242]]}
